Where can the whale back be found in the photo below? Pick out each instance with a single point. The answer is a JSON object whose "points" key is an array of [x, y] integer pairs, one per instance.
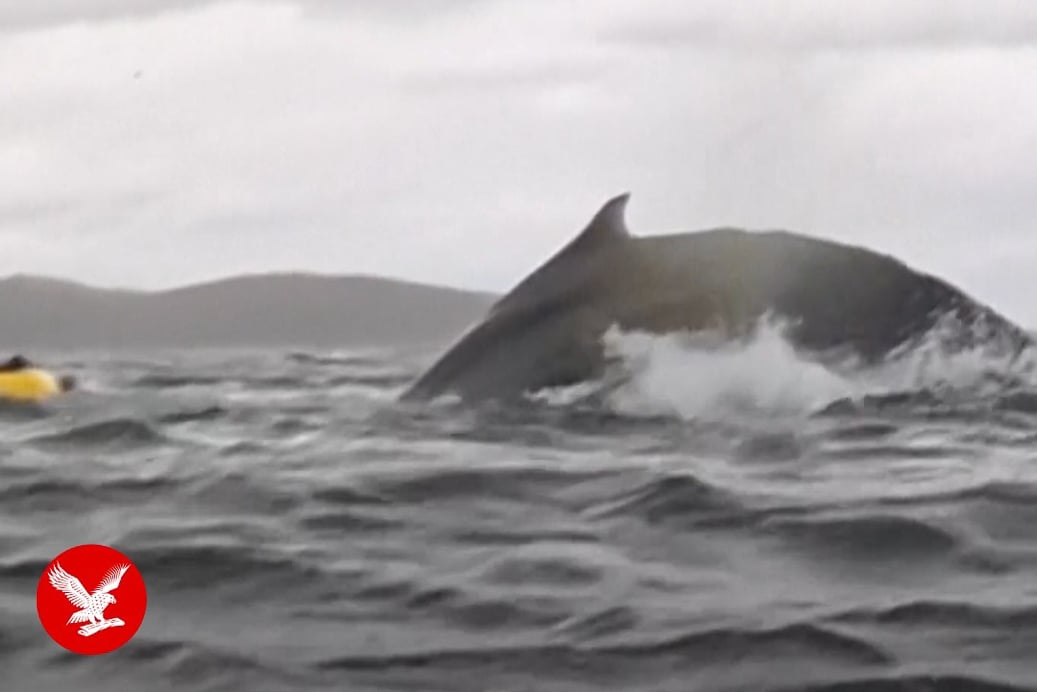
{"points": [[545, 330], [576, 267], [548, 330]]}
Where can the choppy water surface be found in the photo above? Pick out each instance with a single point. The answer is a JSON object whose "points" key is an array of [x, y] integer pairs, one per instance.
{"points": [[727, 522]]}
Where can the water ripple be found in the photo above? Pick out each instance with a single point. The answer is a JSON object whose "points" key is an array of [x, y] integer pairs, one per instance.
{"points": [[298, 531]]}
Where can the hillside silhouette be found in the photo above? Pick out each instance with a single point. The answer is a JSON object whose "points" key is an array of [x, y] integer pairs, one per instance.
{"points": [[279, 309]]}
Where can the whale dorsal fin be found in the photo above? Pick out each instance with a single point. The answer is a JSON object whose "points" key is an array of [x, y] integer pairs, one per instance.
{"points": [[574, 262], [607, 226]]}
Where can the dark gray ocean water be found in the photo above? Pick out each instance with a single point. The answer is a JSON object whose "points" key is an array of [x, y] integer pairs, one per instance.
{"points": [[733, 524]]}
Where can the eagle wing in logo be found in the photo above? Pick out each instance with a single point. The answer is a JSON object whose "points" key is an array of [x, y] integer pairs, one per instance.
{"points": [[71, 587], [111, 579]]}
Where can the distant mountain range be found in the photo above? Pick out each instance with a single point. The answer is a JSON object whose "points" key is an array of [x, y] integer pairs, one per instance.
{"points": [[283, 309]]}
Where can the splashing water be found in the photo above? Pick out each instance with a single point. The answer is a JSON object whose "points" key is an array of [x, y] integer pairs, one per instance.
{"points": [[691, 376], [672, 375]]}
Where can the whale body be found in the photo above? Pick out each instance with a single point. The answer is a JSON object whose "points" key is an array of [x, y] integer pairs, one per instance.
{"points": [[835, 298]]}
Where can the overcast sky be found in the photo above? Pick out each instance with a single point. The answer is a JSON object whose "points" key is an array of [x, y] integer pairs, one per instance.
{"points": [[153, 143]]}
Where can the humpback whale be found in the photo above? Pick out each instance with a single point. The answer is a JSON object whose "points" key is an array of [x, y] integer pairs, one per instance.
{"points": [[834, 298]]}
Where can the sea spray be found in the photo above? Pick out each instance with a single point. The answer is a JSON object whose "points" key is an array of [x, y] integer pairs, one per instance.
{"points": [[702, 376]]}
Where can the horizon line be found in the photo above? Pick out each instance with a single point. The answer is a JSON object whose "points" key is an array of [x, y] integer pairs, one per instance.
{"points": [[253, 275]]}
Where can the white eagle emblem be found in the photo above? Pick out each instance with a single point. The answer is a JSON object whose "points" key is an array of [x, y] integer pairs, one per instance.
{"points": [[91, 605]]}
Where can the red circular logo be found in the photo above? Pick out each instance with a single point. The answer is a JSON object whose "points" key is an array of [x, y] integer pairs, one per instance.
{"points": [[91, 599]]}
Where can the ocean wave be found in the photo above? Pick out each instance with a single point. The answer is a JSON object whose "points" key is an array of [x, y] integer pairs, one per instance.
{"points": [[684, 499], [555, 570], [12, 411], [346, 522], [714, 647], [382, 381], [1021, 493], [528, 483], [274, 382], [205, 666], [954, 614], [461, 607], [911, 683], [607, 622], [123, 433], [157, 381], [238, 491], [71, 494], [1018, 401], [345, 360], [171, 565], [871, 539], [209, 413], [742, 536]]}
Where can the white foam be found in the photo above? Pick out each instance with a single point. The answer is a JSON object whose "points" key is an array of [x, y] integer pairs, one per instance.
{"points": [[675, 375], [695, 376]]}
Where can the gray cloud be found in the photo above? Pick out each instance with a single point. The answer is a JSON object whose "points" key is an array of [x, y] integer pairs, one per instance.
{"points": [[464, 150], [19, 15], [16, 15], [809, 26], [474, 78]]}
